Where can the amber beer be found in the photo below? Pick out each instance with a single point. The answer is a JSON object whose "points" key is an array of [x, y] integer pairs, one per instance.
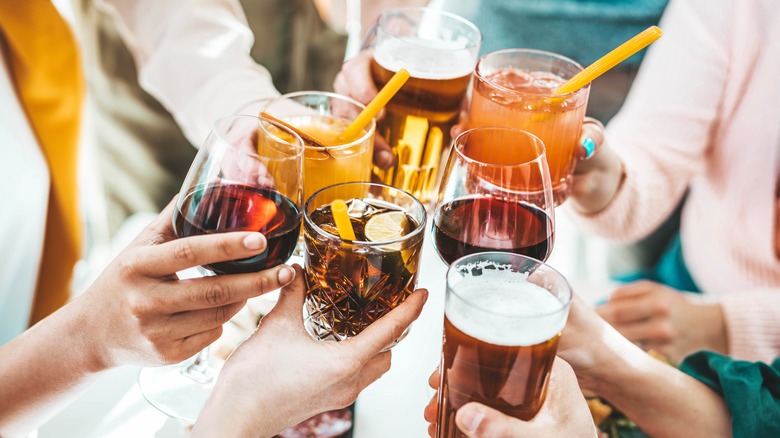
{"points": [[501, 333], [440, 51]]}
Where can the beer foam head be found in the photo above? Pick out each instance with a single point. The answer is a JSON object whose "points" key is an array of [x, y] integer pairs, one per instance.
{"points": [[503, 308], [425, 59]]}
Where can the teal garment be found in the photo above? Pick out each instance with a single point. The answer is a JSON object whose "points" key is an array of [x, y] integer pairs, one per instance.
{"points": [[582, 30], [751, 391], [670, 270]]}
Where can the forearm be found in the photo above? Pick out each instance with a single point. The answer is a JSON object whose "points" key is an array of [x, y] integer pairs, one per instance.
{"points": [[661, 400], [44, 369], [226, 411]]}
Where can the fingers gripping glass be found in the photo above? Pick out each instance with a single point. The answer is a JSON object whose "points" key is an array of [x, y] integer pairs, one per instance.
{"points": [[245, 177]]}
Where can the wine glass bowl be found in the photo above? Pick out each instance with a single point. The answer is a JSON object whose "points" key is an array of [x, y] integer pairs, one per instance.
{"points": [[234, 188], [493, 201]]}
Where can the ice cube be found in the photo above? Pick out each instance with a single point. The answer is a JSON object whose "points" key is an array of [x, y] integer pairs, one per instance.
{"points": [[358, 209], [380, 206]]}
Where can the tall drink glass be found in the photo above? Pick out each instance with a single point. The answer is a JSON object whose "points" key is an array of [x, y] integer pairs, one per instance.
{"points": [[352, 283], [439, 50], [503, 316], [515, 87], [324, 116]]}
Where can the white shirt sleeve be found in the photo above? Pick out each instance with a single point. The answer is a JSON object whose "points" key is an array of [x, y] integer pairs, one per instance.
{"points": [[193, 57]]}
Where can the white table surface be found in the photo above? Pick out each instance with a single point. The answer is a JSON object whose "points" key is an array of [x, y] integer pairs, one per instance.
{"points": [[391, 407]]}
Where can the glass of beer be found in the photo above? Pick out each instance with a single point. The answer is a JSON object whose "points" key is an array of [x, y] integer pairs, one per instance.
{"points": [[324, 116], [503, 316], [352, 283], [490, 200], [440, 51], [515, 88]]}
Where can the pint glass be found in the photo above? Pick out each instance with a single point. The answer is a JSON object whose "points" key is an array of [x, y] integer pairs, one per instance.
{"points": [[504, 314], [515, 88], [439, 50]]}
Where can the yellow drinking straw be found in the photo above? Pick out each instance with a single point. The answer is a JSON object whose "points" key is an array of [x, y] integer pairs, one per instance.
{"points": [[611, 59], [339, 210], [372, 109]]}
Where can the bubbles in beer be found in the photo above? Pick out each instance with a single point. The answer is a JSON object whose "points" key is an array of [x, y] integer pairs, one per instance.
{"points": [[425, 59], [502, 307]]}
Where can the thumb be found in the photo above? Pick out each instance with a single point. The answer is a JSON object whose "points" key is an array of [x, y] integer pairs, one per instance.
{"points": [[479, 421], [292, 295]]}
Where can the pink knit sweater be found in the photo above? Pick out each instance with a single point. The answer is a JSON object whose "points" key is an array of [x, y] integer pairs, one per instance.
{"points": [[704, 114]]}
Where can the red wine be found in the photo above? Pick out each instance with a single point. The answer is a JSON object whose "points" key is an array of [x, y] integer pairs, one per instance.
{"points": [[471, 225], [223, 207]]}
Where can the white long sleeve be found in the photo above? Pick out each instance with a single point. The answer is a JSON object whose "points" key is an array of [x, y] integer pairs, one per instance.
{"points": [[193, 57]]}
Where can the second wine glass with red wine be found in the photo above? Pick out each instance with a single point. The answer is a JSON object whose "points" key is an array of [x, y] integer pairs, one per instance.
{"points": [[245, 177], [491, 200]]}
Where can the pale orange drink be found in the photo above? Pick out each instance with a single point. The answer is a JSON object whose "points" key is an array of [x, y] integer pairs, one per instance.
{"points": [[515, 88]]}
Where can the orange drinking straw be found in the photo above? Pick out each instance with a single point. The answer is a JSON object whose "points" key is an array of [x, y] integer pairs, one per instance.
{"points": [[339, 210], [611, 59], [372, 109]]}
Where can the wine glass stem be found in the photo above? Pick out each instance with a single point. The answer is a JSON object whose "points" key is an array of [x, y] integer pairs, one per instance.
{"points": [[199, 370]]}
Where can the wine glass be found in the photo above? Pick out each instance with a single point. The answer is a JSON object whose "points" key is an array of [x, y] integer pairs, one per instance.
{"points": [[246, 177], [495, 195]]}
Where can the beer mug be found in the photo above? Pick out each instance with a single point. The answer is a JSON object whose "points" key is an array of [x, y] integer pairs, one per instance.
{"points": [[503, 316], [440, 50], [515, 88]]}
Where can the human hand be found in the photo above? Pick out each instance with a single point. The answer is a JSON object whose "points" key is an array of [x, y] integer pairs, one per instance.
{"points": [[354, 80], [665, 320], [564, 412], [599, 171], [280, 375], [142, 314]]}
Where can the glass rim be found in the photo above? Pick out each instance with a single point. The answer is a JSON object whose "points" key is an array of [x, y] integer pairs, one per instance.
{"points": [[542, 153], [476, 42], [479, 76], [419, 229], [564, 305], [369, 132], [299, 145]]}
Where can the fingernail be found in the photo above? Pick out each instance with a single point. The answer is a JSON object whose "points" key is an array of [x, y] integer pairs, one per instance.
{"points": [[286, 275], [590, 147], [254, 241], [472, 418], [425, 295], [385, 159]]}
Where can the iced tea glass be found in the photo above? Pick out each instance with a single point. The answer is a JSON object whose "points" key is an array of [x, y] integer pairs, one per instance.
{"points": [[515, 88], [503, 317], [440, 50], [352, 283]]}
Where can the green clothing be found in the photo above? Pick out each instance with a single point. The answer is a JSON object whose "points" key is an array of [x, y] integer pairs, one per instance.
{"points": [[751, 391]]}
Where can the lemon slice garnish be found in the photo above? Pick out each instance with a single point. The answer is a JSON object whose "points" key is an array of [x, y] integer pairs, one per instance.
{"points": [[383, 227]]}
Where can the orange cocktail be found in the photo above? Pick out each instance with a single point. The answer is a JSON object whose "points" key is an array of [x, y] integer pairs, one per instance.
{"points": [[324, 117], [515, 88]]}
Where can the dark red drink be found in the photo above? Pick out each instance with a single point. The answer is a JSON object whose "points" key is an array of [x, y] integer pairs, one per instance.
{"points": [[223, 207], [479, 224]]}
